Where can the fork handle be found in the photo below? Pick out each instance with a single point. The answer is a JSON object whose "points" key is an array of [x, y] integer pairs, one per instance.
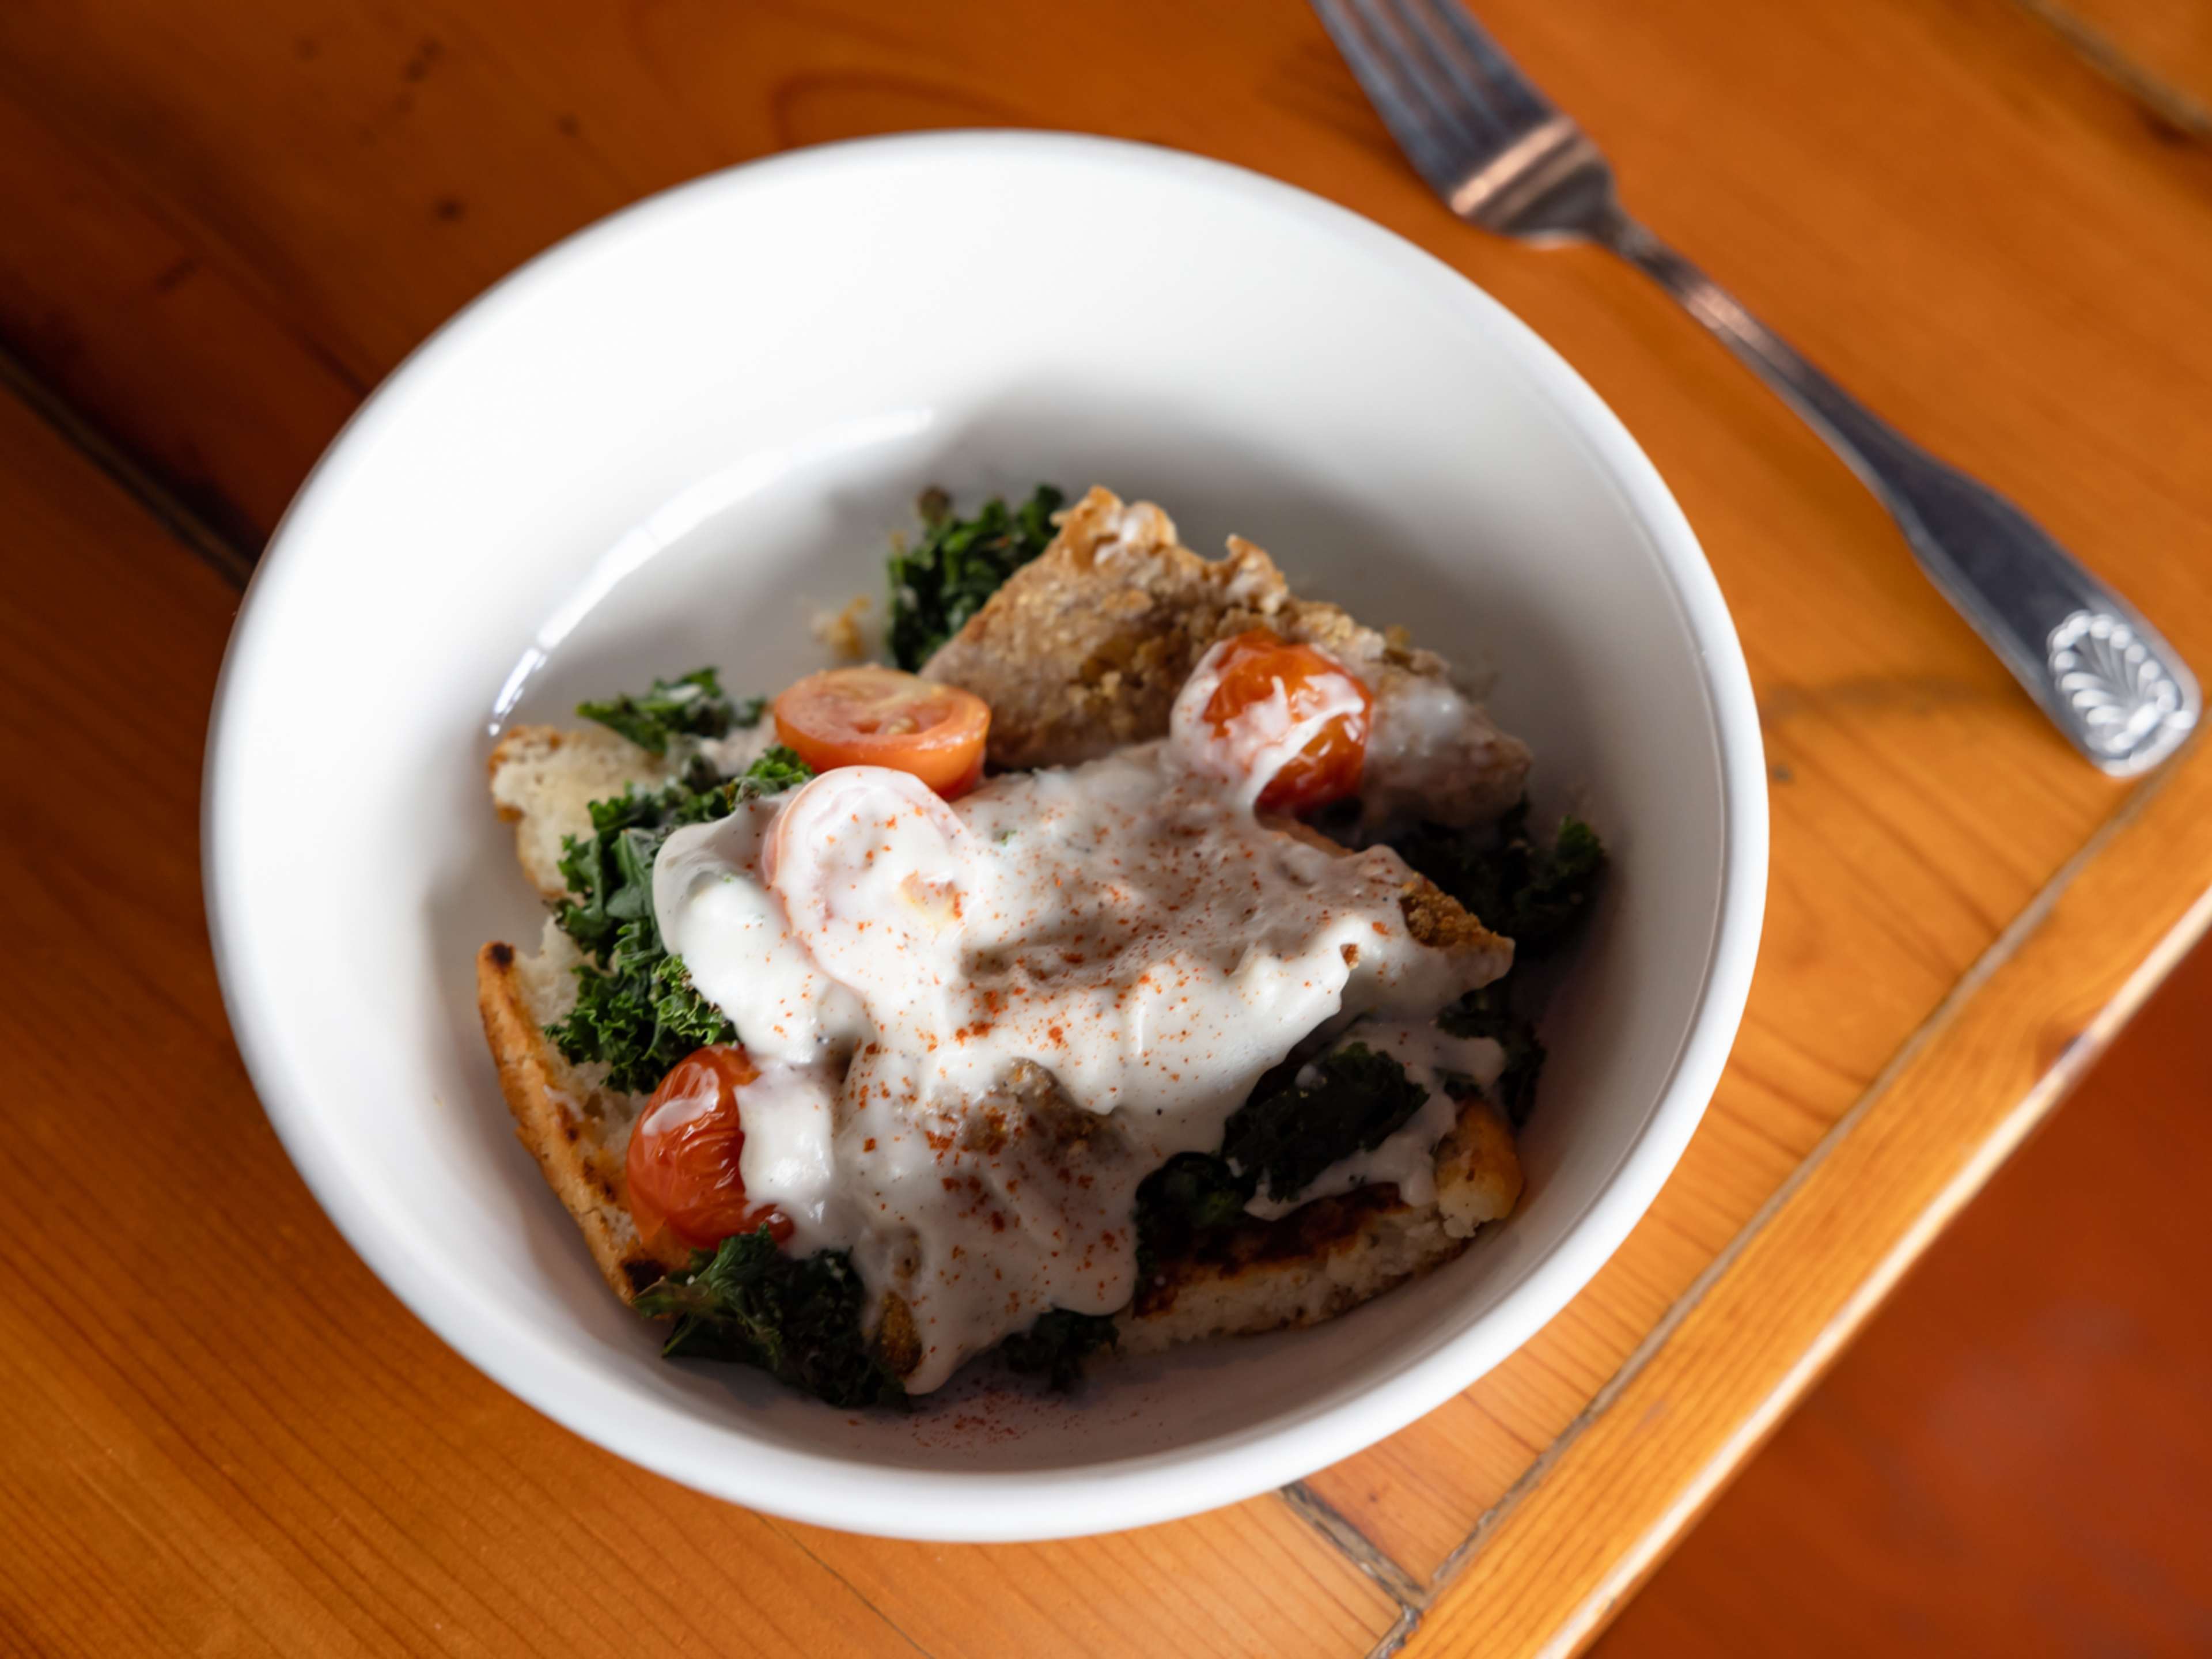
{"points": [[2103, 674]]}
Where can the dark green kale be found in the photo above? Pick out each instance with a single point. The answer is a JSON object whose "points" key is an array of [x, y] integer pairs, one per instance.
{"points": [[778, 769], [639, 1021], [1488, 1013], [796, 1317], [693, 704], [1188, 1202], [1287, 1133], [637, 1011], [611, 869], [1197, 1188], [945, 577], [1531, 893], [1056, 1345]]}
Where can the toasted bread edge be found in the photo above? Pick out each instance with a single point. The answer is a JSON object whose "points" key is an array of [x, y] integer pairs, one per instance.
{"points": [[575, 1152]]}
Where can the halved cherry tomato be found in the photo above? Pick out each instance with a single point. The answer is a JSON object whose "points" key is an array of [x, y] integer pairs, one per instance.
{"points": [[1329, 767], [873, 717], [682, 1167]]}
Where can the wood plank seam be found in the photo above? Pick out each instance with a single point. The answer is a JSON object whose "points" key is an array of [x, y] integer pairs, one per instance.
{"points": [[2169, 104], [801, 1545], [2080, 132], [233, 563], [236, 566], [1356, 1546], [1395, 1638], [1413, 1599], [2062, 1075], [2071, 1065]]}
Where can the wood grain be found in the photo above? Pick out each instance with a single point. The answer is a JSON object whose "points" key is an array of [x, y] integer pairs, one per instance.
{"points": [[319, 185], [1903, 842], [223, 1435], [2012, 1457], [1553, 1564], [153, 341], [332, 180], [2161, 48]]}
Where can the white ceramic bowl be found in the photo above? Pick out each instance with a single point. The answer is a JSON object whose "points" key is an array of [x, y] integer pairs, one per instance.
{"points": [[665, 443]]}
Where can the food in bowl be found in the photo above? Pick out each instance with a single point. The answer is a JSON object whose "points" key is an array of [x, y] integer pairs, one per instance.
{"points": [[1129, 966]]}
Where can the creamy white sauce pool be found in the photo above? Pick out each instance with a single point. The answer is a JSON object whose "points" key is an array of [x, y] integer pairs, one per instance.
{"points": [[981, 1025]]}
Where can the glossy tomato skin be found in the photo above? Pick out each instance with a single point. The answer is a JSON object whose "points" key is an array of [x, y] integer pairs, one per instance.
{"points": [[683, 1169], [1329, 768], [876, 716]]}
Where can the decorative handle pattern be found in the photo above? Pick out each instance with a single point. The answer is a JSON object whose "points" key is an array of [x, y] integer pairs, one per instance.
{"points": [[2107, 680], [2117, 688]]}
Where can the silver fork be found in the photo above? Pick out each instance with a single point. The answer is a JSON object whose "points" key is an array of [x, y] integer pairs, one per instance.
{"points": [[1503, 157]]}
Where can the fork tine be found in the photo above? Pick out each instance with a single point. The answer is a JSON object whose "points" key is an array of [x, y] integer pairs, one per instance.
{"points": [[1430, 55], [1482, 68], [1404, 40], [1437, 150]]}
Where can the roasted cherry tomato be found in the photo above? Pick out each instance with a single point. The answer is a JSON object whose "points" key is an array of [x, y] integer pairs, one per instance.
{"points": [[1328, 768], [873, 716], [683, 1168]]}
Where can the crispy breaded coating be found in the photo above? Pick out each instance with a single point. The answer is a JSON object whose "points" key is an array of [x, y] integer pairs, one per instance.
{"points": [[1083, 649], [1441, 922]]}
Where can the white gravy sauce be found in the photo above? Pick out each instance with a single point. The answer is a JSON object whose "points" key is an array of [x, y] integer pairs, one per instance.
{"points": [[982, 1025], [1246, 754]]}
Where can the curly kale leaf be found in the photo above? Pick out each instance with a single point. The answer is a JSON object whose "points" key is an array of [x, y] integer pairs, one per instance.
{"points": [[611, 869], [637, 1013], [1536, 894], [1282, 1138], [1532, 893], [1300, 1119], [1489, 1013], [796, 1317], [1056, 1345], [1199, 1189], [692, 704], [958, 563], [611, 872], [639, 1023], [778, 769], [1187, 1203], [1350, 1100]]}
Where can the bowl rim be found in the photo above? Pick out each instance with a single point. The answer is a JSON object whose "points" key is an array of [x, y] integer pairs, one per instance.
{"points": [[1006, 1506]]}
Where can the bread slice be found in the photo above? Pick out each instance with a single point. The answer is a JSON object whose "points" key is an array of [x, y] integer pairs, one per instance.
{"points": [[544, 781], [575, 1126], [1083, 649]]}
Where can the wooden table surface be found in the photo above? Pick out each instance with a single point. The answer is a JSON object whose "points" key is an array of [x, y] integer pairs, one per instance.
{"points": [[225, 221]]}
